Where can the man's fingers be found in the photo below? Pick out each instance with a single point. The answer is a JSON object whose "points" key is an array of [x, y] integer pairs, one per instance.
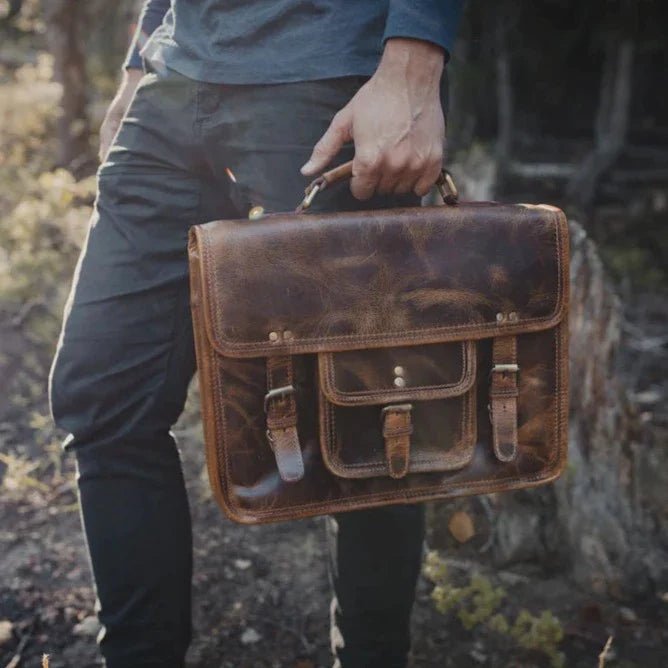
{"points": [[428, 179], [337, 134], [366, 175], [390, 178], [363, 187], [399, 174]]}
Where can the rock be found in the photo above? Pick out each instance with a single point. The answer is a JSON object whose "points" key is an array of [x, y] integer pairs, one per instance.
{"points": [[628, 616], [6, 632], [518, 536], [90, 626], [512, 579], [250, 637], [242, 564], [477, 656]]}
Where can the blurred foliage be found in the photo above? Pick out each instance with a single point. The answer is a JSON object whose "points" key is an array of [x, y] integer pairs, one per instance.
{"points": [[479, 603], [556, 49], [43, 213], [556, 53], [43, 217]]}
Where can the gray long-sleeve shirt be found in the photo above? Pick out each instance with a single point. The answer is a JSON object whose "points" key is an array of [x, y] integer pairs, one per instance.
{"points": [[274, 41]]}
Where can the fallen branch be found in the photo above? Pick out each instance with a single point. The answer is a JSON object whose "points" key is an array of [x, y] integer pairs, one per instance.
{"points": [[605, 653], [639, 175], [19, 319], [18, 655], [542, 170]]}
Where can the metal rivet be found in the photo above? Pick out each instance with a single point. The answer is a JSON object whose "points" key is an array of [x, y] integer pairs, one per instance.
{"points": [[287, 334], [273, 336], [512, 316], [398, 371], [256, 212], [500, 317], [399, 382]]}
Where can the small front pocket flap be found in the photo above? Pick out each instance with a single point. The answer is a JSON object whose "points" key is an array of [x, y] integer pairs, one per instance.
{"points": [[396, 411], [394, 375]]}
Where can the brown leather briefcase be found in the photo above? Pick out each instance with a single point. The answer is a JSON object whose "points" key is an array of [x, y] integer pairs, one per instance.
{"points": [[352, 360]]}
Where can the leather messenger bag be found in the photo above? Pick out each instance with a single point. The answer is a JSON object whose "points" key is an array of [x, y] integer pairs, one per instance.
{"points": [[351, 360]]}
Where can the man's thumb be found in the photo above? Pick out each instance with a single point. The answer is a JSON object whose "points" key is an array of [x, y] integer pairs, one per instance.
{"points": [[337, 134]]}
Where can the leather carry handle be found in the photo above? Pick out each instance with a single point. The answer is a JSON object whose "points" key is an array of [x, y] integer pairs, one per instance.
{"points": [[444, 183]]}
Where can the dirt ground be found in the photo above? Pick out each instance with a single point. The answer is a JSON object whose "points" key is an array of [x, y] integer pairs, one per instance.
{"points": [[261, 593]]}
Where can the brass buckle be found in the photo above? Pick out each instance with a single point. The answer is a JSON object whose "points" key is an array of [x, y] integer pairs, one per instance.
{"points": [[447, 188], [310, 196], [503, 368], [277, 393], [399, 408]]}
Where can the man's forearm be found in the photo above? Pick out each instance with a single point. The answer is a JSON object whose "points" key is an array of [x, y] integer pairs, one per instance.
{"points": [[150, 18], [416, 62]]}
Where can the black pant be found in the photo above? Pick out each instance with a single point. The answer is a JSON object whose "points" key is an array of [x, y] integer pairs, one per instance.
{"points": [[125, 360]]}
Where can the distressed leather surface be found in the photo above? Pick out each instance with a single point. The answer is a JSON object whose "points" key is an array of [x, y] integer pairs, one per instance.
{"points": [[377, 278], [352, 296]]}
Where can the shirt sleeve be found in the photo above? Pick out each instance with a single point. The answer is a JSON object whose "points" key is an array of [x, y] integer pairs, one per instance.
{"points": [[150, 18], [429, 20]]}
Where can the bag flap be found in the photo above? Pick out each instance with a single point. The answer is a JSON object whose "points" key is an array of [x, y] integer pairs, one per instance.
{"points": [[289, 283], [397, 374]]}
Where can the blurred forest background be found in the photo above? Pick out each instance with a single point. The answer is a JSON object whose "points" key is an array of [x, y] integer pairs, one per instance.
{"points": [[551, 100]]}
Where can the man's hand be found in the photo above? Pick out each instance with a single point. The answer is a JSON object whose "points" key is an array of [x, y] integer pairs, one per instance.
{"points": [[396, 122], [117, 109]]}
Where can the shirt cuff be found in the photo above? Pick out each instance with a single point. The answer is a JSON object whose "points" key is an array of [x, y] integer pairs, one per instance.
{"points": [[433, 21], [133, 60]]}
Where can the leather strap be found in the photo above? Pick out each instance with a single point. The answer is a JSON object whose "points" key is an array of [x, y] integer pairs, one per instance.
{"points": [[281, 410], [444, 183], [397, 430], [503, 395]]}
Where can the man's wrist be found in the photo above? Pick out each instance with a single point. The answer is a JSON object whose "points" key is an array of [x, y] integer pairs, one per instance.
{"points": [[130, 80], [417, 59], [131, 74]]}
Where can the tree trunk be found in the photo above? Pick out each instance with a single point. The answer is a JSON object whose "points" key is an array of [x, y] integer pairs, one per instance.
{"points": [[612, 120], [504, 89], [64, 21], [604, 521]]}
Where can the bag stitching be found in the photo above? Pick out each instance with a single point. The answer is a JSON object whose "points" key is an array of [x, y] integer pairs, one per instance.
{"points": [[423, 392], [411, 334], [417, 491]]}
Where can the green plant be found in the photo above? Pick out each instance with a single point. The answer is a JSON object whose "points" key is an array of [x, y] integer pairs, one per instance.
{"points": [[43, 218], [479, 602]]}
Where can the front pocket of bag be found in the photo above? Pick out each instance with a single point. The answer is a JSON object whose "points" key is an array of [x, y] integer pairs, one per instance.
{"points": [[433, 385]]}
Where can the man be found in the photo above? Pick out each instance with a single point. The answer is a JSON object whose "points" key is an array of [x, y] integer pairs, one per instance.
{"points": [[264, 88]]}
